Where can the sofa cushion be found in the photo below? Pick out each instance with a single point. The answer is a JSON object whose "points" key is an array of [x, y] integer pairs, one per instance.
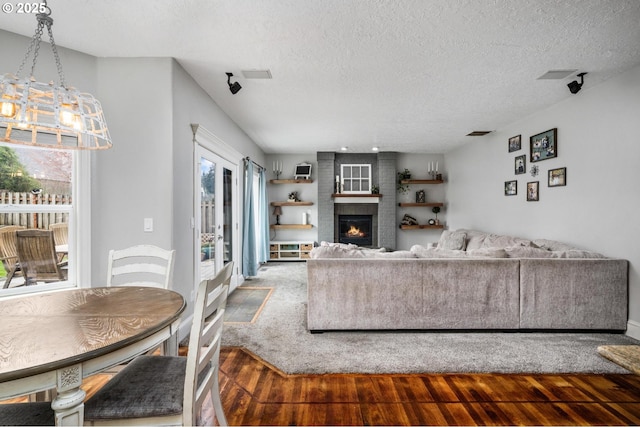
{"points": [[576, 253], [422, 252], [503, 241], [487, 253], [552, 245], [527, 252], [454, 240], [474, 238]]}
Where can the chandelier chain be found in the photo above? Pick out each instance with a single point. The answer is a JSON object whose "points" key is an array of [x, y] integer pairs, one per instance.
{"points": [[44, 19], [35, 41]]}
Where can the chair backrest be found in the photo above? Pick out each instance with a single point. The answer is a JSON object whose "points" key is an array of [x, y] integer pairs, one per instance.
{"points": [[8, 249], [37, 256], [142, 265], [204, 344], [60, 233]]}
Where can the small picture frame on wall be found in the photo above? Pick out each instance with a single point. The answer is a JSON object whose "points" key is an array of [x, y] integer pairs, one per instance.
{"points": [[533, 191], [557, 177], [515, 143], [520, 164], [544, 145], [510, 188]]}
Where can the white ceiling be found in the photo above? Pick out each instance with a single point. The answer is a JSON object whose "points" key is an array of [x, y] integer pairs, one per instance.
{"points": [[403, 75]]}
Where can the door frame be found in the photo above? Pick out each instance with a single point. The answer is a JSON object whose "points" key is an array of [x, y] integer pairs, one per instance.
{"points": [[206, 141]]}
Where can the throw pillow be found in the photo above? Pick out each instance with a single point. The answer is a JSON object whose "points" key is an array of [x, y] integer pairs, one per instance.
{"points": [[452, 240]]}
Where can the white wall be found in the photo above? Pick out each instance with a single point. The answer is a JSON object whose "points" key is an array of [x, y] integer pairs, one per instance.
{"points": [[133, 179], [598, 143]]}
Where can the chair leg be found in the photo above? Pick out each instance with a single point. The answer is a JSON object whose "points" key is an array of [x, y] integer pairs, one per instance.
{"points": [[9, 277], [217, 403]]}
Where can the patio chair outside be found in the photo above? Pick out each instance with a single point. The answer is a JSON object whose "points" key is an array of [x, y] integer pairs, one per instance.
{"points": [[142, 265], [164, 390], [60, 233], [9, 252], [37, 257]]}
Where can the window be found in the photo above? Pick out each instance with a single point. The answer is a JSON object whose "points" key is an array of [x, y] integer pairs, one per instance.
{"points": [[38, 189], [356, 178]]}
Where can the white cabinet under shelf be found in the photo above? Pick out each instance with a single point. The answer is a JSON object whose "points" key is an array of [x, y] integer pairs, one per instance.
{"points": [[289, 250]]}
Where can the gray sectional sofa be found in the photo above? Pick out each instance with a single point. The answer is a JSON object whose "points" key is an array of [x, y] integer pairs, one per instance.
{"points": [[470, 280]]}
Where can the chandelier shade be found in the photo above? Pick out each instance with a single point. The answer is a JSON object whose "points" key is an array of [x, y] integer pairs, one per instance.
{"points": [[44, 115], [49, 115]]}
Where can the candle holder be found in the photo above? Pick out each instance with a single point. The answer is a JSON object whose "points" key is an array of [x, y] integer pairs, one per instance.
{"points": [[277, 169]]}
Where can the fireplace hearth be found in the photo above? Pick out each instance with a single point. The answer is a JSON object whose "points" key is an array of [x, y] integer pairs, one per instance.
{"points": [[356, 229]]}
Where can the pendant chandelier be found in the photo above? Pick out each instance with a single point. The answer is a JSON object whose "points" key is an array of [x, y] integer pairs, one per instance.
{"points": [[46, 115]]}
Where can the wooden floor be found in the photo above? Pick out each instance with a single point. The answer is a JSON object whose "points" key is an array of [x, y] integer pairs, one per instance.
{"points": [[254, 393]]}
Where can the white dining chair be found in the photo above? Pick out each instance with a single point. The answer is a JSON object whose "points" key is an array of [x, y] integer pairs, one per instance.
{"points": [[166, 390], [141, 265]]}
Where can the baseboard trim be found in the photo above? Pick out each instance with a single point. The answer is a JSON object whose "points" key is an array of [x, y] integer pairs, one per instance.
{"points": [[633, 329]]}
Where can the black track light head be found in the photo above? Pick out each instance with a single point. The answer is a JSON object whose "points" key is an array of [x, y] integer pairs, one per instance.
{"points": [[574, 86], [233, 87]]}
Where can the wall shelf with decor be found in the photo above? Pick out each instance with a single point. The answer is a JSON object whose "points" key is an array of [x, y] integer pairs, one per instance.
{"points": [[421, 227], [421, 181], [425, 205], [291, 203], [291, 226], [291, 181]]}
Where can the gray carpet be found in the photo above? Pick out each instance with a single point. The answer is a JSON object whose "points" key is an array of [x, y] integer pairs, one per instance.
{"points": [[280, 337]]}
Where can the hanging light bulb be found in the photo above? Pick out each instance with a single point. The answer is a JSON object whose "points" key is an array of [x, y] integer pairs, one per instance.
{"points": [[46, 115], [7, 109]]}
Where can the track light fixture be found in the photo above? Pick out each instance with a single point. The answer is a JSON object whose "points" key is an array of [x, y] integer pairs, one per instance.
{"points": [[574, 86], [233, 87]]}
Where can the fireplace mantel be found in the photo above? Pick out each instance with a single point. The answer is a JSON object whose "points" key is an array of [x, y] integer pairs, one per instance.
{"points": [[356, 198]]}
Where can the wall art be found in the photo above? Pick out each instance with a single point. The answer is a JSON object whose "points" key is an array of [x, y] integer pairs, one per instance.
{"points": [[557, 177], [533, 191], [544, 145], [520, 164], [514, 143], [510, 188]]}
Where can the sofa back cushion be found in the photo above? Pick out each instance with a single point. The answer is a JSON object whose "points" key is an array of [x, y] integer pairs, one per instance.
{"points": [[453, 240]]}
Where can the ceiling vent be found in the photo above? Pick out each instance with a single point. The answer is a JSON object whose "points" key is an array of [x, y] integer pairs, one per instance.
{"points": [[479, 133], [556, 74], [256, 74]]}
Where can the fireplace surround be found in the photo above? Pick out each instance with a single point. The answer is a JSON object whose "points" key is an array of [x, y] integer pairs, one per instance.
{"points": [[382, 210]]}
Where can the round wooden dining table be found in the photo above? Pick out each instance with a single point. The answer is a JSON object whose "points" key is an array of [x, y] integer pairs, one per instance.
{"points": [[55, 339]]}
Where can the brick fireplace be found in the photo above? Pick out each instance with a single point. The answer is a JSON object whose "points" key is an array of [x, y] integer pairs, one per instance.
{"points": [[381, 210]]}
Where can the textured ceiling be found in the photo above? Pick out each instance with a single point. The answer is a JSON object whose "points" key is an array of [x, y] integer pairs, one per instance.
{"points": [[403, 75]]}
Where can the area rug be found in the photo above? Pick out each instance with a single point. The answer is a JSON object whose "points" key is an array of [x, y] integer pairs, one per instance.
{"points": [[245, 304], [280, 337]]}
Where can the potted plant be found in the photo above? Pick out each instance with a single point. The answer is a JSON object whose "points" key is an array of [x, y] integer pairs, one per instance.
{"points": [[436, 210], [403, 175], [375, 189]]}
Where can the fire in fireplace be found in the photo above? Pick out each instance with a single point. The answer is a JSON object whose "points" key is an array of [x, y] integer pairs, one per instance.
{"points": [[356, 229]]}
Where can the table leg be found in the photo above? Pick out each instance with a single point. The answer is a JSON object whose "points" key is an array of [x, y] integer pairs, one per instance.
{"points": [[170, 346], [68, 403]]}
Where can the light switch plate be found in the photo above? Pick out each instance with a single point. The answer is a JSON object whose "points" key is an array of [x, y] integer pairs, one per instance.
{"points": [[148, 225]]}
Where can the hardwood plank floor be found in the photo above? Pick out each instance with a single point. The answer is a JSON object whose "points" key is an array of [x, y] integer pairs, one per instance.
{"points": [[255, 393]]}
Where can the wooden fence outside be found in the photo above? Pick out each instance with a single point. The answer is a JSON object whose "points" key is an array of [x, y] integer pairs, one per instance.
{"points": [[33, 219]]}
